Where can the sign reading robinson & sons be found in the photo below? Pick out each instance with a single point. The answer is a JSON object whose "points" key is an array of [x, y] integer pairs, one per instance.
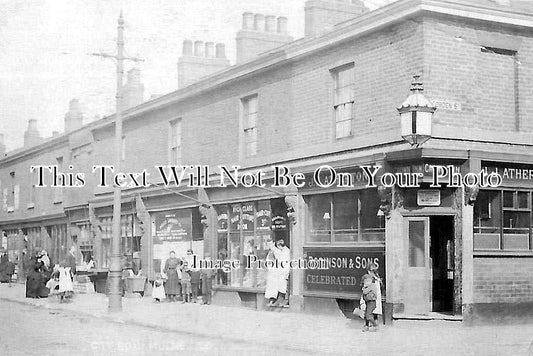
{"points": [[345, 269]]}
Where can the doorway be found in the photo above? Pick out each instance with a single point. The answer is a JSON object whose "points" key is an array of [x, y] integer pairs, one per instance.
{"points": [[430, 261], [442, 257]]}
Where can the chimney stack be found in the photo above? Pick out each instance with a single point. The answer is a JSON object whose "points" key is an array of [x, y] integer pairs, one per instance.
{"points": [[322, 15], [32, 136], [74, 116], [198, 62], [133, 91], [260, 34], [2, 146]]}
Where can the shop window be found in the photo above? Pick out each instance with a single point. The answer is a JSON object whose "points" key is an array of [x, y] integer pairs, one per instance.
{"points": [[246, 231], [85, 242], [487, 220], [343, 105], [175, 230], [345, 217], [502, 220], [58, 235]]}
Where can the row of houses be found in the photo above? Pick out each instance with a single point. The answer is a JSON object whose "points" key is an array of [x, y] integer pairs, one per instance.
{"points": [[328, 99]]}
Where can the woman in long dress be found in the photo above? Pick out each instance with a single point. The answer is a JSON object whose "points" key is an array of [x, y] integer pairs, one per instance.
{"points": [[277, 277], [35, 281], [172, 285]]}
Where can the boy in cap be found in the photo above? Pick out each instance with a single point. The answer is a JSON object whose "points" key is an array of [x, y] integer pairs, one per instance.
{"points": [[368, 302]]}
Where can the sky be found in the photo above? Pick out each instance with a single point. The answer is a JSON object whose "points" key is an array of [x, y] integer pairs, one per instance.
{"points": [[45, 47]]}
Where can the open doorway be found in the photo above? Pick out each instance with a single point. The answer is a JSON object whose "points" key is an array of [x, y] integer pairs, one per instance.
{"points": [[442, 256]]}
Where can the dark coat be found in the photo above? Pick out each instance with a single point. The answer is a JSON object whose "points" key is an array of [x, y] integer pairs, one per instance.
{"points": [[36, 281]]}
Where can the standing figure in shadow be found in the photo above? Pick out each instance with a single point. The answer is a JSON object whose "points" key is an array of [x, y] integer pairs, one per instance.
{"points": [[36, 280]]}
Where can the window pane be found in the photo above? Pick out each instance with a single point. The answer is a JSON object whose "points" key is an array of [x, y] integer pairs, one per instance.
{"points": [[222, 254], [235, 254], [523, 200], [487, 220], [417, 244], [487, 212], [345, 216], [508, 201], [372, 224], [320, 218]]}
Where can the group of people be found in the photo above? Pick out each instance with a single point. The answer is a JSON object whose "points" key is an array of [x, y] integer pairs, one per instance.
{"points": [[180, 281], [43, 279]]}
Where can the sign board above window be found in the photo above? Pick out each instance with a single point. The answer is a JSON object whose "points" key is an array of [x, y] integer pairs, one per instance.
{"points": [[428, 197]]}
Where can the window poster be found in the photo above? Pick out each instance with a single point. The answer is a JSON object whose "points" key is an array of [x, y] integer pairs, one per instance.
{"points": [[174, 225]]}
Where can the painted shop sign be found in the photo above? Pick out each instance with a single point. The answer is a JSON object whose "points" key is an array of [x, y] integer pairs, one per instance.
{"points": [[511, 173], [425, 168], [263, 219], [175, 225], [428, 197], [357, 177], [345, 270]]}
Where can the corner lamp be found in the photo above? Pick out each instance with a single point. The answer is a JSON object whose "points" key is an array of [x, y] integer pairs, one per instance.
{"points": [[416, 113]]}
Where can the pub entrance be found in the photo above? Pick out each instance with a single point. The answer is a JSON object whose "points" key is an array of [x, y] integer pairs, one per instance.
{"points": [[430, 264]]}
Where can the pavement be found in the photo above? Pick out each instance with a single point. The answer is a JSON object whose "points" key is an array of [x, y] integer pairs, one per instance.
{"points": [[291, 332]]}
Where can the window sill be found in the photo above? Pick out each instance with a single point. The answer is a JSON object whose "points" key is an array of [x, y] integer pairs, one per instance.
{"points": [[503, 253], [239, 289]]}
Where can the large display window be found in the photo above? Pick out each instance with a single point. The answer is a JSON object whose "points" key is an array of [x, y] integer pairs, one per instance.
{"points": [[345, 217], [245, 230], [503, 220]]}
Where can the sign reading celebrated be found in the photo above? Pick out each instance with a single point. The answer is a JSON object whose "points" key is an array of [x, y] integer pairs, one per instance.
{"points": [[345, 269]]}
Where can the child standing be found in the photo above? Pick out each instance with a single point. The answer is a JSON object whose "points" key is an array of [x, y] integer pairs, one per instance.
{"points": [[207, 285], [186, 285], [158, 293], [368, 303], [377, 282], [66, 288]]}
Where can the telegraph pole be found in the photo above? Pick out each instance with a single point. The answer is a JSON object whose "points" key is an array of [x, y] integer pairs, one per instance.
{"points": [[115, 271]]}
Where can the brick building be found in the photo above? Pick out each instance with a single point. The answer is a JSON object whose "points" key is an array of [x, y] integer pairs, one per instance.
{"points": [[327, 99]]}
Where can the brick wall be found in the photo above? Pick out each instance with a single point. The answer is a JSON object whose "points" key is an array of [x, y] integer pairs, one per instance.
{"points": [[486, 84], [506, 280], [43, 198]]}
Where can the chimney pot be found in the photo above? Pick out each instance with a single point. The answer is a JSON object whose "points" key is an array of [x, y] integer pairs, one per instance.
{"points": [[31, 136], [259, 22], [247, 21], [282, 24], [221, 50], [209, 49], [270, 23], [32, 125], [187, 48], [322, 15], [199, 48]]}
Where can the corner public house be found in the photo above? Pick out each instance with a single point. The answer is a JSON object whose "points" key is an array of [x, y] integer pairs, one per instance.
{"points": [[331, 99]]}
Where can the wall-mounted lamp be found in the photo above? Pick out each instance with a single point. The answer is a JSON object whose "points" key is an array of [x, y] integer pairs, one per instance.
{"points": [[416, 114]]}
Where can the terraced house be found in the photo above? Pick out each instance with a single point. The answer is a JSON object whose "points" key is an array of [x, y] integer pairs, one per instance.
{"points": [[328, 99]]}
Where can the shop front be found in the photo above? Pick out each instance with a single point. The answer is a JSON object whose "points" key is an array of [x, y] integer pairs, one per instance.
{"points": [[345, 229], [424, 242], [245, 232]]}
